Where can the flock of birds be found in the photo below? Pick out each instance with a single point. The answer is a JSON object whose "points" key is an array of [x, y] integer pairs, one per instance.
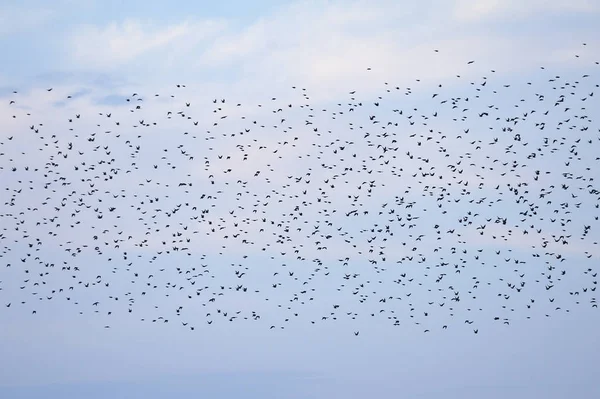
{"points": [[465, 203]]}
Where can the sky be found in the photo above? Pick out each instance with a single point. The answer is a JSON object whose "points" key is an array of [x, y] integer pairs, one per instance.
{"points": [[295, 66]]}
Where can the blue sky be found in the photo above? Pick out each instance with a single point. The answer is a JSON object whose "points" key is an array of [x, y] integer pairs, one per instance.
{"points": [[100, 52]]}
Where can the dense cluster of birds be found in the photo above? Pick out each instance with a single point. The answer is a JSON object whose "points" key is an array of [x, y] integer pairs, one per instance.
{"points": [[455, 204]]}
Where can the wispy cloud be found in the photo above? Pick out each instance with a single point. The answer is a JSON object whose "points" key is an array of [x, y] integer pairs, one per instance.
{"points": [[327, 47], [120, 43], [466, 10]]}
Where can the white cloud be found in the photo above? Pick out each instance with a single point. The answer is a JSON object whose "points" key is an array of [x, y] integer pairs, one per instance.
{"points": [[325, 46], [120, 43], [329, 48], [474, 10], [233, 47]]}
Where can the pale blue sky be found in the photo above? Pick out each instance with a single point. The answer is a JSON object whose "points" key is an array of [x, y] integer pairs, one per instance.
{"points": [[100, 52]]}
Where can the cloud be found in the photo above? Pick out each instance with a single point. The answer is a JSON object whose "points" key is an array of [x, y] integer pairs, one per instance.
{"points": [[323, 46], [329, 48], [467, 10], [120, 43]]}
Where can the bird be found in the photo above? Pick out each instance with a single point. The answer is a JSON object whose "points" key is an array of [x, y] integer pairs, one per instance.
{"points": [[405, 204]]}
